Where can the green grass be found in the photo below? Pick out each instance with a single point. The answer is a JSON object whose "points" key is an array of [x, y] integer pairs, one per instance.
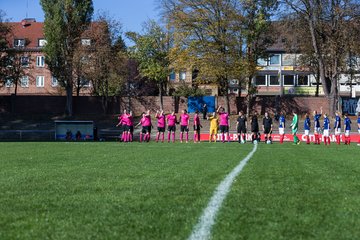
{"points": [[158, 191]]}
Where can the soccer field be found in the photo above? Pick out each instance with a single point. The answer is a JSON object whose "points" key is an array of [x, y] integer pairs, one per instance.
{"points": [[109, 190]]}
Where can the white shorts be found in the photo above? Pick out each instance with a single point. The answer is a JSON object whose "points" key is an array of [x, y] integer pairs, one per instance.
{"points": [[306, 132], [317, 130], [281, 131], [337, 131], [326, 133], [347, 133], [359, 130]]}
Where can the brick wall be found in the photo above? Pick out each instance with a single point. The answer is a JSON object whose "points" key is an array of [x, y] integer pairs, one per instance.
{"points": [[93, 105]]}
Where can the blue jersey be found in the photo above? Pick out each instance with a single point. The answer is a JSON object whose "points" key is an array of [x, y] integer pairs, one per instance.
{"points": [[358, 121], [281, 121], [317, 120], [337, 122], [347, 123], [307, 124], [326, 123]]}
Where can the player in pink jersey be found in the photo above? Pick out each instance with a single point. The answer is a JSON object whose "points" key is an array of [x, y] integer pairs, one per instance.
{"points": [[171, 121], [131, 126], [197, 126], [124, 123], [160, 116], [146, 124], [224, 123], [184, 125]]}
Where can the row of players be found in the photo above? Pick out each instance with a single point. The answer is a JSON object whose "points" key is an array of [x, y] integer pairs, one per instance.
{"points": [[219, 120]]}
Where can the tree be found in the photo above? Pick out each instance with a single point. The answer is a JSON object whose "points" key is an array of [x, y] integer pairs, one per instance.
{"points": [[65, 21], [4, 31], [333, 26], [104, 62], [151, 51]]}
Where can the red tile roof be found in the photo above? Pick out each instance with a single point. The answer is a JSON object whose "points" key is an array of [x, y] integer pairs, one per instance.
{"points": [[28, 29]]}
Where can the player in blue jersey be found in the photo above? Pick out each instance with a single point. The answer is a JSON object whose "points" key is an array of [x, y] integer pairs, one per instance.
{"points": [[347, 129], [317, 128], [282, 127], [326, 130], [337, 127], [358, 122], [307, 125]]}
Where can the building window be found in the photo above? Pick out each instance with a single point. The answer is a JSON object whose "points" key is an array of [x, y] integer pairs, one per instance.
{"points": [[54, 81], [172, 75], [274, 80], [9, 83], [275, 59], [19, 43], [182, 75], [288, 59], [86, 42], [42, 42], [40, 81], [289, 80], [24, 82], [260, 80], [262, 62], [84, 82], [24, 61], [303, 80], [40, 61]]}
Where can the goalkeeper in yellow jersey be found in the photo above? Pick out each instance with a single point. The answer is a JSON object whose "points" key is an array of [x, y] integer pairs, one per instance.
{"points": [[213, 127]]}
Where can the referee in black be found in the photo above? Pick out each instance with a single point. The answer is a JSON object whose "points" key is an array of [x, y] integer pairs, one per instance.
{"points": [[267, 127]]}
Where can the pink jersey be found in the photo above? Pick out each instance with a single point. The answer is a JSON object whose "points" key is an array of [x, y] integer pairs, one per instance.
{"points": [[124, 119], [171, 120], [196, 120], [161, 121], [224, 119], [146, 121], [184, 119], [130, 120]]}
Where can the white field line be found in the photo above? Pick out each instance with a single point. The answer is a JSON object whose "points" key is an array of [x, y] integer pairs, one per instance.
{"points": [[202, 230]]}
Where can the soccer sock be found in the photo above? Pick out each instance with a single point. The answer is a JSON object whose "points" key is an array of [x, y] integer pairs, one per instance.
{"points": [[325, 140], [187, 136], [316, 138], [181, 136], [123, 136], [244, 137], [328, 140], [307, 140], [130, 137], [198, 135], [173, 136], [162, 137], [295, 139], [168, 136], [141, 136], [222, 137], [239, 138], [157, 136], [349, 140], [195, 137]]}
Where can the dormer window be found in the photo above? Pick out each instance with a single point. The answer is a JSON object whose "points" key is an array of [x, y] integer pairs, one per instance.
{"points": [[19, 43], [42, 42], [86, 42]]}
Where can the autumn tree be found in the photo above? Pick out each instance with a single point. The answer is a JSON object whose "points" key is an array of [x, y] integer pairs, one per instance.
{"points": [[103, 62], [333, 26], [65, 21], [151, 50]]}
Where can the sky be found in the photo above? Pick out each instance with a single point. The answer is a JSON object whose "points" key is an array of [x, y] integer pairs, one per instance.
{"points": [[131, 13]]}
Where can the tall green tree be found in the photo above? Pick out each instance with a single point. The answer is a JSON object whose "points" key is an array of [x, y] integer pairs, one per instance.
{"points": [[151, 50], [65, 21], [4, 31], [334, 29]]}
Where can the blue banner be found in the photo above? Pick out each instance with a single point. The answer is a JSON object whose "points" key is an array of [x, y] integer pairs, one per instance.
{"points": [[197, 103]]}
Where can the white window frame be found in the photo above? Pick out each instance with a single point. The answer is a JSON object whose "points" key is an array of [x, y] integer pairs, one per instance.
{"points": [[86, 42], [19, 42], [260, 84], [42, 42], [9, 83], [269, 77], [54, 81], [40, 81], [283, 79], [24, 82], [182, 75], [262, 62], [40, 61], [27, 62], [297, 80]]}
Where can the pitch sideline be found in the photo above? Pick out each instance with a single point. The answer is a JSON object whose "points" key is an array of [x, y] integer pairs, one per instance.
{"points": [[202, 230]]}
